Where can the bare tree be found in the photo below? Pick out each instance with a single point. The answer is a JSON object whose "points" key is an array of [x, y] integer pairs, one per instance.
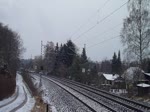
{"points": [[49, 56], [37, 63], [10, 48], [135, 34]]}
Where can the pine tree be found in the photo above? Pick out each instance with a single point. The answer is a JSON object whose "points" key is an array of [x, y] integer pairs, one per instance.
{"points": [[83, 56], [93, 73], [75, 70], [57, 48], [71, 52], [119, 64], [114, 64], [67, 53]]}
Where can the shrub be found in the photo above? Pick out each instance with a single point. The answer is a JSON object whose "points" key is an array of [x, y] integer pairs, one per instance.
{"points": [[7, 86]]}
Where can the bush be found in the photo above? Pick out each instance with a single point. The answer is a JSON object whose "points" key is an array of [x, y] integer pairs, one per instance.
{"points": [[29, 82], [7, 86]]}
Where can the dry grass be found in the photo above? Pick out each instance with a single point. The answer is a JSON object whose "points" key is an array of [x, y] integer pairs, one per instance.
{"points": [[40, 106]]}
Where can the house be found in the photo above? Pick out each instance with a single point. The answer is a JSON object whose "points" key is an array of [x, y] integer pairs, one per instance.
{"points": [[143, 89], [147, 77], [144, 85], [120, 83], [107, 80]]}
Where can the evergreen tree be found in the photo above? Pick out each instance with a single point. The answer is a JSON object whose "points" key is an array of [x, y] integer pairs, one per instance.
{"points": [[114, 64], [56, 65], [64, 55], [67, 53], [75, 70], [93, 74], [71, 52], [49, 56], [57, 48], [83, 56], [119, 64]]}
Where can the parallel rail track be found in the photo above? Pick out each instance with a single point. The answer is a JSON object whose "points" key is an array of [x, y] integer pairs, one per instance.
{"points": [[110, 101], [91, 109]]}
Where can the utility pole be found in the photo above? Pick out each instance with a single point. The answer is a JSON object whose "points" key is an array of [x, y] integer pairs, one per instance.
{"points": [[85, 46], [41, 63], [41, 49]]}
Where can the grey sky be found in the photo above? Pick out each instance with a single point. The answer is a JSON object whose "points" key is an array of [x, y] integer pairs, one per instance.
{"points": [[57, 20]]}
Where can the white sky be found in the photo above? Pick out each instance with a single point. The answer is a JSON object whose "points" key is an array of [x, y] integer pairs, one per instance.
{"points": [[57, 20]]}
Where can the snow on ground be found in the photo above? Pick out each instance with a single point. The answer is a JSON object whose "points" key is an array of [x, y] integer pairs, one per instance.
{"points": [[30, 101], [63, 101], [86, 100], [20, 99], [111, 77], [118, 91], [143, 85], [43, 91], [53, 109]]}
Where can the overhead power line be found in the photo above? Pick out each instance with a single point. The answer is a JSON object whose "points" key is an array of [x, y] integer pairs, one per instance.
{"points": [[106, 31], [103, 41], [101, 21], [88, 20]]}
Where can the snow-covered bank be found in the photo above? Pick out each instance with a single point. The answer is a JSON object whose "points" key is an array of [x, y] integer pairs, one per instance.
{"points": [[27, 107], [44, 92], [30, 100]]}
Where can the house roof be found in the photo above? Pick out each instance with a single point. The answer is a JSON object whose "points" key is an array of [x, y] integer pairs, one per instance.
{"points": [[143, 85], [111, 77], [147, 74]]}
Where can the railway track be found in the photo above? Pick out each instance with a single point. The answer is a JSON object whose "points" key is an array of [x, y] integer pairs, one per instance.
{"points": [[91, 109], [110, 101]]}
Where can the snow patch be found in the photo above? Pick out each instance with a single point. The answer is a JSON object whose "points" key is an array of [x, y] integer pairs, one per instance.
{"points": [[21, 97], [44, 92], [143, 85], [30, 102], [111, 77]]}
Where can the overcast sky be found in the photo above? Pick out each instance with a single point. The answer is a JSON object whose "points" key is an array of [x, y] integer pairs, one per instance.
{"points": [[58, 20]]}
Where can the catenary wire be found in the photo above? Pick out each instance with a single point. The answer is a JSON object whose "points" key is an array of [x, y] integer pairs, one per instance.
{"points": [[100, 21], [88, 20]]}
